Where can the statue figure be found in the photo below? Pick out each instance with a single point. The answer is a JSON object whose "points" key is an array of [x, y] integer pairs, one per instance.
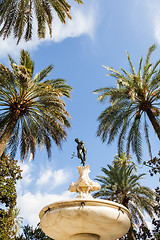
{"points": [[81, 150]]}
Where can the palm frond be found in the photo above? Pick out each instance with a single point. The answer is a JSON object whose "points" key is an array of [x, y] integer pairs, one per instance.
{"points": [[147, 136], [43, 74], [26, 61], [137, 140], [135, 95], [48, 15], [134, 139], [121, 184], [131, 65], [29, 27], [17, 16], [140, 68], [148, 65], [33, 111]]}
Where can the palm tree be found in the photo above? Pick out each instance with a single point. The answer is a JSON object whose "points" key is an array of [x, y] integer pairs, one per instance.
{"points": [[17, 16], [17, 220], [135, 97], [121, 184], [32, 111]]}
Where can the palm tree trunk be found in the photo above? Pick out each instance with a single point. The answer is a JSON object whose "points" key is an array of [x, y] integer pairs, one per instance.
{"points": [[130, 234], [4, 138], [154, 122]]}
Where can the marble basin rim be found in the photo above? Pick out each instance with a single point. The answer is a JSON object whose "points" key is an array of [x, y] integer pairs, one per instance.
{"points": [[65, 219]]}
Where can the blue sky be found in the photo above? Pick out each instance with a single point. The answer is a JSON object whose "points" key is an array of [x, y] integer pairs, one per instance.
{"points": [[99, 34]]}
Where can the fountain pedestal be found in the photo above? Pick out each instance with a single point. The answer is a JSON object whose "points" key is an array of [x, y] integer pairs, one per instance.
{"points": [[85, 236], [85, 218]]}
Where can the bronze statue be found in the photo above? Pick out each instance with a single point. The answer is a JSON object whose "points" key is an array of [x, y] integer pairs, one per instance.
{"points": [[81, 150]]}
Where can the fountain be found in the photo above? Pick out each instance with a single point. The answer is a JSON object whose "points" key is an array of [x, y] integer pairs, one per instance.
{"points": [[85, 218]]}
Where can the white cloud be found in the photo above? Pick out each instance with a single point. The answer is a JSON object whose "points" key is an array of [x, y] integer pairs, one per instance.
{"points": [[157, 26], [149, 225], [34, 190], [153, 10], [27, 177], [30, 204], [26, 170], [52, 179], [45, 177], [61, 176], [83, 22]]}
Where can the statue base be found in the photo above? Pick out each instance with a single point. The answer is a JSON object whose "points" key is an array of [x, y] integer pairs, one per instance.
{"points": [[84, 185]]}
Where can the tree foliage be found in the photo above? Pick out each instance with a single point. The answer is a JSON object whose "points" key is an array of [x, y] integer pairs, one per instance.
{"points": [[9, 174], [32, 109], [121, 184], [133, 100], [16, 17], [33, 234], [154, 169], [154, 165]]}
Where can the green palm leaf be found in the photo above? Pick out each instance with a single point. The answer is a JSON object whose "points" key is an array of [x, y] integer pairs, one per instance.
{"points": [[135, 96], [32, 109], [17, 16], [120, 183]]}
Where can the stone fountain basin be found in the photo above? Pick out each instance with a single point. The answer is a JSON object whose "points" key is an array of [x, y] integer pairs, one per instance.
{"points": [[66, 219]]}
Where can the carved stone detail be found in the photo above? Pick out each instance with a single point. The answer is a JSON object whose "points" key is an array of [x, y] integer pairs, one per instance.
{"points": [[84, 185]]}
